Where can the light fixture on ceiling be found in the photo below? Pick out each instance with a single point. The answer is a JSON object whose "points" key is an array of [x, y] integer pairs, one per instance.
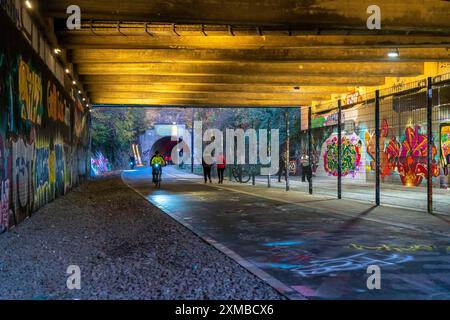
{"points": [[74, 82], [57, 51], [393, 53], [67, 70], [79, 91], [84, 99], [28, 4]]}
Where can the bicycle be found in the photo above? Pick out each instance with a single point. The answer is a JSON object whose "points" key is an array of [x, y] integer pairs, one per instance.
{"points": [[157, 177], [241, 175]]}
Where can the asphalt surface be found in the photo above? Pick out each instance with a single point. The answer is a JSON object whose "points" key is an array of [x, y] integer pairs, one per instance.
{"points": [[306, 252]]}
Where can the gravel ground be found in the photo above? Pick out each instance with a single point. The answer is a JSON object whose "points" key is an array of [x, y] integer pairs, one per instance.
{"points": [[125, 247]]}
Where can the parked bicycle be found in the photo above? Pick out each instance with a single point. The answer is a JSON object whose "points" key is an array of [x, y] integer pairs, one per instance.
{"points": [[242, 174]]}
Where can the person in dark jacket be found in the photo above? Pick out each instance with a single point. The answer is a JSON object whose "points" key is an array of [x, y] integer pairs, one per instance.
{"points": [[306, 167], [282, 167], [207, 165]]}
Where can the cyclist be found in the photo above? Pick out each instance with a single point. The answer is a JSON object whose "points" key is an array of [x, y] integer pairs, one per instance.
{"points": [[132, 162], [157, 162]]}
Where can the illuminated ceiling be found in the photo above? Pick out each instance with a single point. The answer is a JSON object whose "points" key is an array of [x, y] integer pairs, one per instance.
{"points": [[244, 53]]}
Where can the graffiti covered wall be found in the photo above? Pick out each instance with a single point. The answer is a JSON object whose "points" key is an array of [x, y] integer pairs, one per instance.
{"points": [[43, 131], [403, 143]]}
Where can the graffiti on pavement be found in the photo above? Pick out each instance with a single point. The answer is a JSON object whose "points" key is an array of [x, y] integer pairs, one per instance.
{"points": [[320, 266], [410, 248]]}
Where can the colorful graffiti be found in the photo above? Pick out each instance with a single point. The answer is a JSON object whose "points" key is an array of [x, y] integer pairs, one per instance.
{"points": [[445, 147], [30, 93], [42, 191], [385, 168], [51, 171], [325, 120], [410, 157], [4, 186], [308, 265], [350, 155], [353, 97], [80, 122], [100, 165], [39, 136], [22, 155], [317, 140], [354, 262], [56, 105], [393, 248]]}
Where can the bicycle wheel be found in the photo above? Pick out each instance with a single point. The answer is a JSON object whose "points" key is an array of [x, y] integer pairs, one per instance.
{"points": [[236, 174], [246, 177], [158, 179]]}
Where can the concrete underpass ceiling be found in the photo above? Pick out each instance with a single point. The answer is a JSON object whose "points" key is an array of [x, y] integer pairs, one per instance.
{"points": [[244, 53]]}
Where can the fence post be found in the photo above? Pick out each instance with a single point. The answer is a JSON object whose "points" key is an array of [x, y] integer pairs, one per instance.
{"points": [[286, 115], [339, 178], [430, 145], [377, 147], [310, 150], [192, 141], [269, 147]]}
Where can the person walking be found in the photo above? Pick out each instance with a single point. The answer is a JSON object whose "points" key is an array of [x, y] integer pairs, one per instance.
{"points": [[282, 166], [207, 165], [306, 168], [221, 165]]}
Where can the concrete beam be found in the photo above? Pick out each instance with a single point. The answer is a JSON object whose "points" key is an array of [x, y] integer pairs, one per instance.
{"points": [[212, 87], [398, 69], [244, 80], [84, 40], [213, 96], [426, 15], [265, 55], [198, 102]]}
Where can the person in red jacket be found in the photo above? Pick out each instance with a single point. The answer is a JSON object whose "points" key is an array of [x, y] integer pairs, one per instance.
{"points": [[221, 165]]}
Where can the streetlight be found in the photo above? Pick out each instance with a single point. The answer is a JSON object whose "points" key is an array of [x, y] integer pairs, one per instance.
{"points": [[393, 53]]}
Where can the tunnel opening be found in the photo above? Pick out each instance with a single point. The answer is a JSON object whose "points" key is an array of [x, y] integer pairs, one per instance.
{"points": [[165, 146]]}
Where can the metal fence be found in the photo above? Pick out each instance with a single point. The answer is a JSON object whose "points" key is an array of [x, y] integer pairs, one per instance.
{"points": [[389, 147]]}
